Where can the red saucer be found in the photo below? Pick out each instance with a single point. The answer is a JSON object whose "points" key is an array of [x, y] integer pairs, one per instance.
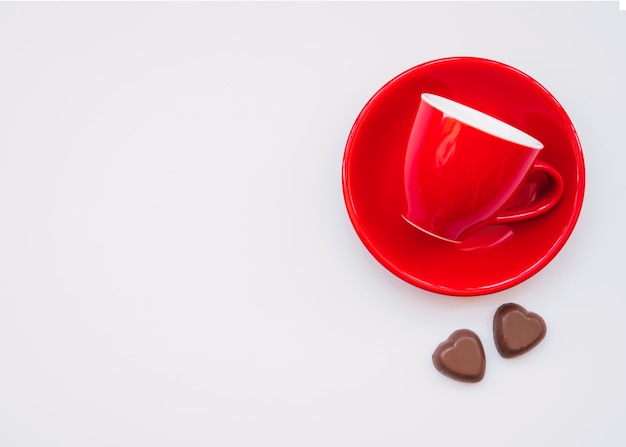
{"points": [[373, 185]]}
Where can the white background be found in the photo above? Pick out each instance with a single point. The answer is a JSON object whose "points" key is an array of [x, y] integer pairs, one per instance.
{"points": [[177, 267]]}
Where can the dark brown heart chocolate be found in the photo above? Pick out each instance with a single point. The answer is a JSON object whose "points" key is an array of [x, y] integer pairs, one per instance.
{"points": [[461, 357], [516, 331]]}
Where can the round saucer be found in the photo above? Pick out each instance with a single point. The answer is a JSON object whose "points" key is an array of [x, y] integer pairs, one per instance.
{"points": [[373, 180]]}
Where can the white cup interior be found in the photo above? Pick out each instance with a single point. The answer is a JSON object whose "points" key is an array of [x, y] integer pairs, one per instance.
{"points": [[481, 121]]}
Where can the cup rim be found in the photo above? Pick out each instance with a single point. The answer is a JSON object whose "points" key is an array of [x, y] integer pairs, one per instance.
{"points": [[481, 121]]}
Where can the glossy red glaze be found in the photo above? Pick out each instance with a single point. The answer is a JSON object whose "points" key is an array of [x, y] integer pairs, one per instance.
{"points": [[534, 198], [458, 178], [373, 183]]}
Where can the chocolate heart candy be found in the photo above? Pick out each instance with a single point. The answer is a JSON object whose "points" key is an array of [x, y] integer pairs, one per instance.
{"points": [[516, 331], [461, 357]]}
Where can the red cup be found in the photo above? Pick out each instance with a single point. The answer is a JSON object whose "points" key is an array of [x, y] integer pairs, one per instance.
{"points": [[463, 168]]}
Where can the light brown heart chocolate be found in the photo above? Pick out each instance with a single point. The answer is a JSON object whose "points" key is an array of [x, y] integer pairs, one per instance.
{"points": [[461, 357], [516, 331]]}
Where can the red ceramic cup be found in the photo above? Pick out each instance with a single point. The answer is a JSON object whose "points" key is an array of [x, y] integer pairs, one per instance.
{"points": [[463, 168]]}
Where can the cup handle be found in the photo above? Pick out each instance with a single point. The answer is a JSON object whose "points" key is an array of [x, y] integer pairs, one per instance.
{"points": [[536, 205]]}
